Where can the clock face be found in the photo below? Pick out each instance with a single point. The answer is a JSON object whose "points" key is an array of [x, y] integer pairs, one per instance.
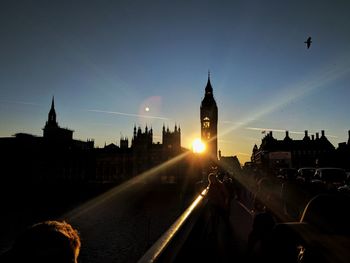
{"points": [[206, 122]]}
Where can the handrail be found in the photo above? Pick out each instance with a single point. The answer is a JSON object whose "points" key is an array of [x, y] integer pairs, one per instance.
{"points": [[176, 235]]}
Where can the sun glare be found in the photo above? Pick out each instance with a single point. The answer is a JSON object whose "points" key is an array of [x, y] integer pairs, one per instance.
{"points": [[198, 146]]}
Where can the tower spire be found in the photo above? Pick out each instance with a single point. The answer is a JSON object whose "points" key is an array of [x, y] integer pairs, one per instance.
{"points": [[208, 88], [53, 103], [209, 120]]}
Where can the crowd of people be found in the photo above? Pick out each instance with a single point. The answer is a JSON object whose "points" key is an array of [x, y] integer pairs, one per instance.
{"points": [[290, 222], [271, 238]]}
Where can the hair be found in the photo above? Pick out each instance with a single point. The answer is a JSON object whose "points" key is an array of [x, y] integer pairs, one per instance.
{"points": [[48, 241]]}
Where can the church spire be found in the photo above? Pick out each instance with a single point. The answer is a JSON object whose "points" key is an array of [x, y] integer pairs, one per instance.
{"points": [[52, 114], [53, 103]]}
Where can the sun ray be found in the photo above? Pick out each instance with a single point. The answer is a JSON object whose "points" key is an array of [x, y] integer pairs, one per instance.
{"points": [[293, 92], [122, 188]]}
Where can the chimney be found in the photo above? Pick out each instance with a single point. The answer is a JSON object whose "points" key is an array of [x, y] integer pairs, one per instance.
{"points": [[306, 135], [348, 137], [322, 132], [271, 134], [287, 134], [313, 137], [317, 136]]}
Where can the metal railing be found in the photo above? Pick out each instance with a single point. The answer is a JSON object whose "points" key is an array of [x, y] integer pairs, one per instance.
{"points": [[167, 247]]}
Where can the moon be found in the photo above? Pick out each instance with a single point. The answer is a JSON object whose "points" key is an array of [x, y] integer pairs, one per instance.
{"points": [[147, 109]]}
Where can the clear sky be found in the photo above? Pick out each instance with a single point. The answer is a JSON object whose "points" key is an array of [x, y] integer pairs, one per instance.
{"points": [[106, 61]]}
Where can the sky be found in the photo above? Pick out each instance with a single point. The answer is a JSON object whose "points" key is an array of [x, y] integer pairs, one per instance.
{"points": [[105, 62]]}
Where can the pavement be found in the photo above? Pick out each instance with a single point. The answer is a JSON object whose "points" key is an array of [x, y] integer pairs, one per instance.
{"points": [[123, 226]]}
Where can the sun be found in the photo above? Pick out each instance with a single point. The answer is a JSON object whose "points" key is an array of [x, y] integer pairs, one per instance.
{"points": [[198, 146]]}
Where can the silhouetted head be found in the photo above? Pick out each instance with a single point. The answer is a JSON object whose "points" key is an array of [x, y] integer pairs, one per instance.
{"points": [[212, 178], [49, 241]]}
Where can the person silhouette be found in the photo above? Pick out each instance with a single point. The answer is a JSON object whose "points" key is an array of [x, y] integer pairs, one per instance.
{"points": [[218, 228], [48, 241], [259, 237]]}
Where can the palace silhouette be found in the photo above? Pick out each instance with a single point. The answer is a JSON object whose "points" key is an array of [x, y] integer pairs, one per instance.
{"points": [[316, 151], [57, 157]]}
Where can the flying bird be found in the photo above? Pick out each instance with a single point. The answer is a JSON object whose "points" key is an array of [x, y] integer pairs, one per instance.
{"points": [[308, 42]]}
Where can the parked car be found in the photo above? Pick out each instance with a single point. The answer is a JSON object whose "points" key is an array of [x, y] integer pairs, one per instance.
{"points": [[331, 178], [306, 174], [345, 188], [333, 175], [347, 176]]}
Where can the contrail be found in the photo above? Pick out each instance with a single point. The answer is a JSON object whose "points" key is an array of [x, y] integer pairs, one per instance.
{"points": [[294, 92], [272, 129], [130, 114], [22, 103]]}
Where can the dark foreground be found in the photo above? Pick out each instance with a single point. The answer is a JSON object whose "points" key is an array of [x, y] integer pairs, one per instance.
{"points": [[116, 223]]}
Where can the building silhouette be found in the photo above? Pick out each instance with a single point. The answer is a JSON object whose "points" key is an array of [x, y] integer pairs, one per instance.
{"points": [[118, 163], [209, 135], [343, 154], [52, 131], [113, 164], [288, 153], [142, 149], [147, 154], [209, 121], [55, 157], [171, 141]]}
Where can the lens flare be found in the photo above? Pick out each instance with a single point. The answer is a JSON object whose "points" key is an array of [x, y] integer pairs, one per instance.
{"points": [[198, 146]]}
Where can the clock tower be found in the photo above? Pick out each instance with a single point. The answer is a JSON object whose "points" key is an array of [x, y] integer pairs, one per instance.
{"points": [[209, 121]]}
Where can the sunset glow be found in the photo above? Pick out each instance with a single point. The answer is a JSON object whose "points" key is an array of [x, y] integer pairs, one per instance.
{"points": [[198, 146]]}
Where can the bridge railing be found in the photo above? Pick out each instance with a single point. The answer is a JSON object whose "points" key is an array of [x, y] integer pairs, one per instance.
{"points": [[169, 245]]}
